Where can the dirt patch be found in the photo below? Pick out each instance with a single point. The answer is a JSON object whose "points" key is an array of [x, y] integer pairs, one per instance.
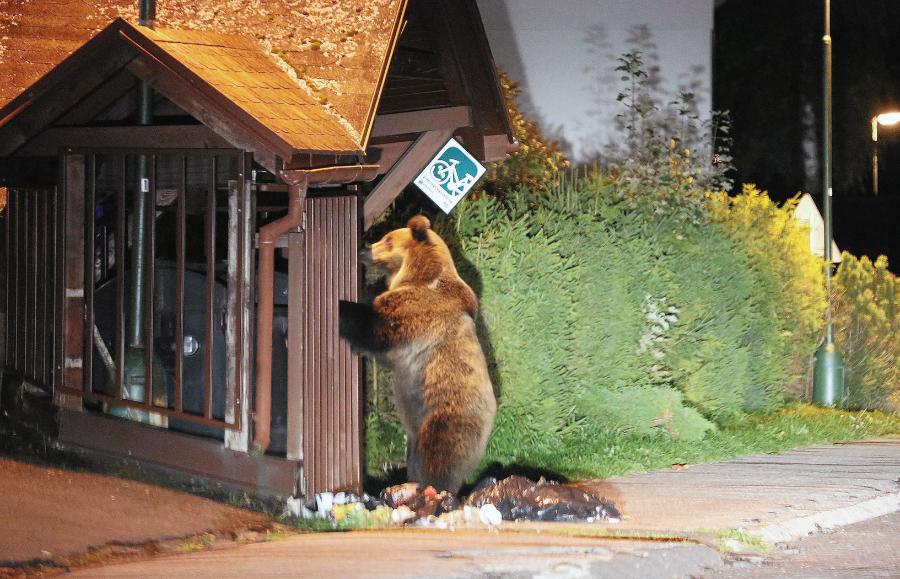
{"points": [[52, 518]]}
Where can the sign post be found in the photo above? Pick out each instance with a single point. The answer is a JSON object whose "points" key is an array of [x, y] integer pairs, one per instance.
{"points": [[449, 175]]}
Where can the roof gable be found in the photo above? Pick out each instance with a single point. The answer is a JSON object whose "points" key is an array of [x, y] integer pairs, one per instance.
{"points": [[236, 68], [226, 82], [302, 77]]}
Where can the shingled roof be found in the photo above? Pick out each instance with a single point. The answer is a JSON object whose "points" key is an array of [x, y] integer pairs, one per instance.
{"points": [[235, 67], [310, 70]]}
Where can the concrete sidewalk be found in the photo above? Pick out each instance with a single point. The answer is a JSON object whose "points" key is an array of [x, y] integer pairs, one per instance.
{"points": [[677, 525], [774, 496]]}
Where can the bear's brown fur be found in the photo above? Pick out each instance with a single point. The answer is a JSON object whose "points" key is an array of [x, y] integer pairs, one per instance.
{"points": [[423, 329]]}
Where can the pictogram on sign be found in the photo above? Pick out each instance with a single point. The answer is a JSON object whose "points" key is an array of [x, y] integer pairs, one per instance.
{"points": [[449, 175]]}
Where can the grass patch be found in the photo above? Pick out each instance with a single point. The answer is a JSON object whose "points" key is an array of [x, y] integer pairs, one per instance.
{"points": [[349, 518], [195, 544], [793, 426], [742, 537], [322, 526]]}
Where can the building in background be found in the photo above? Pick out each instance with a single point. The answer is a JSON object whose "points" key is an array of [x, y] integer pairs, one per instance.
{"points": [[564, 55]]}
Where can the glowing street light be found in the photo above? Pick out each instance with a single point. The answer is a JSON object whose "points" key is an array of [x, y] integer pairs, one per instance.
{"points": [[885, 119]]}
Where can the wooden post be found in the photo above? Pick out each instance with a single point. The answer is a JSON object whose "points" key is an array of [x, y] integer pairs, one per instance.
{"points": [[73, 282], [324, 269], [244, 300]]}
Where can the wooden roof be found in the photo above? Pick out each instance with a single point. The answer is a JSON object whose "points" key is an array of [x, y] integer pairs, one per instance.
{"points": [[296, 80], [336, 51], [235, 67]]}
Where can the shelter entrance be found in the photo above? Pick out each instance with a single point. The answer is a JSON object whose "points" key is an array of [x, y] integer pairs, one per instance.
{"points": [[154, 258]]}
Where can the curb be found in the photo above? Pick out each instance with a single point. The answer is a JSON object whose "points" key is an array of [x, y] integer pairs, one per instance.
{"points": [[827, 520]]}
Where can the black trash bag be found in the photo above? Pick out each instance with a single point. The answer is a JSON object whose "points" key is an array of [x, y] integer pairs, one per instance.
{"points": [[517, 497]]}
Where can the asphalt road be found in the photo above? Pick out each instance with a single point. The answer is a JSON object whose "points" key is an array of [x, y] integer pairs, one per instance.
{"points": [[867, 549]]}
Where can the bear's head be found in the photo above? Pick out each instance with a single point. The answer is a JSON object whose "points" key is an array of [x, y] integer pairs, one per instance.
{"points": [[412, 254]]}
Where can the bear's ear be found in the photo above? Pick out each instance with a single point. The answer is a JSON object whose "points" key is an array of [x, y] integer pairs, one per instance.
{"points": [[419, 226]]}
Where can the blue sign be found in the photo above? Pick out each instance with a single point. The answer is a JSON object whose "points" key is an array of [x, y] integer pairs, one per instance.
{"points": [[449, 175]]}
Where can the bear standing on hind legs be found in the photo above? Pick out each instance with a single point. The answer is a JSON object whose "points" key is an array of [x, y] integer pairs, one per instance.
{"points": [[423, 329]]}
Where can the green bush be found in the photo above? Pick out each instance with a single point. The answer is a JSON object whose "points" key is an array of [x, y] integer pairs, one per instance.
{"points": [[604, 319], [536, 163], [866, 301], [789, 273]]}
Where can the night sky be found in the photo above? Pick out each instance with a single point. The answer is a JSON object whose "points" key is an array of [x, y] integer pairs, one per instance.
{"points": [[768, 72]]}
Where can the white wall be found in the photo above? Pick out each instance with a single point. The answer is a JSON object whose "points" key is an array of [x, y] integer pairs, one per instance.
{"points": [[543, 44]]}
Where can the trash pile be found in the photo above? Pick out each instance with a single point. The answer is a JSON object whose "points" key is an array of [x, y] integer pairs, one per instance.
{"points": [[517, 498], [514, 498]]}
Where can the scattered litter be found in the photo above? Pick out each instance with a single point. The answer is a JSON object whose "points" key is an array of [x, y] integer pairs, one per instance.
{"points": [[513, 498], [489, 515], [324, 502], [347, 511], [399, 494], [294, 507], [402, 514], [424, 502]]}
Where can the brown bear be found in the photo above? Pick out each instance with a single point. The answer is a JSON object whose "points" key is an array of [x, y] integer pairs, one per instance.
{"points": [[423, 329]]}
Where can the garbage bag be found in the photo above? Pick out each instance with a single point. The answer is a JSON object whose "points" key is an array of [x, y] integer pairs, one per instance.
{"points": [[517, 497]]}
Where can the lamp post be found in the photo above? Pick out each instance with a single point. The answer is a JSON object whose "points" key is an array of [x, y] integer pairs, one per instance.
{"points": [[886, 119], [828, 370]]}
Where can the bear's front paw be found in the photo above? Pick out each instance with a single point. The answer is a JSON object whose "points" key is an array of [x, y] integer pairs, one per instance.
{"points": [[346, 311]]}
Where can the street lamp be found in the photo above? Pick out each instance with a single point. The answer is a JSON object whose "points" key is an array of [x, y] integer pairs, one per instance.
{"points": [[886, 119], [828, 365]]}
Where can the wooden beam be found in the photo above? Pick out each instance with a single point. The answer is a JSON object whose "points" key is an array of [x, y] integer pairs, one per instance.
{"points": [[141, 137], [62, 88], [240, 439], [497, 147], [316, 160], [214, 113], [73, 280], [183, 452], [100, 99], [421, 121], [406, 168], [469, 69], [387, 154]]}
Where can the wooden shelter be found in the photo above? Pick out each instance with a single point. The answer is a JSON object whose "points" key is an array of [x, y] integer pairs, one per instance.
{"points": [[153, 170]]}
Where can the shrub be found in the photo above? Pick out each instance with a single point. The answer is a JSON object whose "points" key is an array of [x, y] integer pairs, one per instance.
{"points": [[536, 163], [792, 277], [866, 314]]}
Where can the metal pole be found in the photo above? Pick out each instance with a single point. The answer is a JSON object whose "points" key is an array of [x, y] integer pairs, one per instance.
{"points": [[147, 13], [826, 160], [875, 154], [828, 374]]}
